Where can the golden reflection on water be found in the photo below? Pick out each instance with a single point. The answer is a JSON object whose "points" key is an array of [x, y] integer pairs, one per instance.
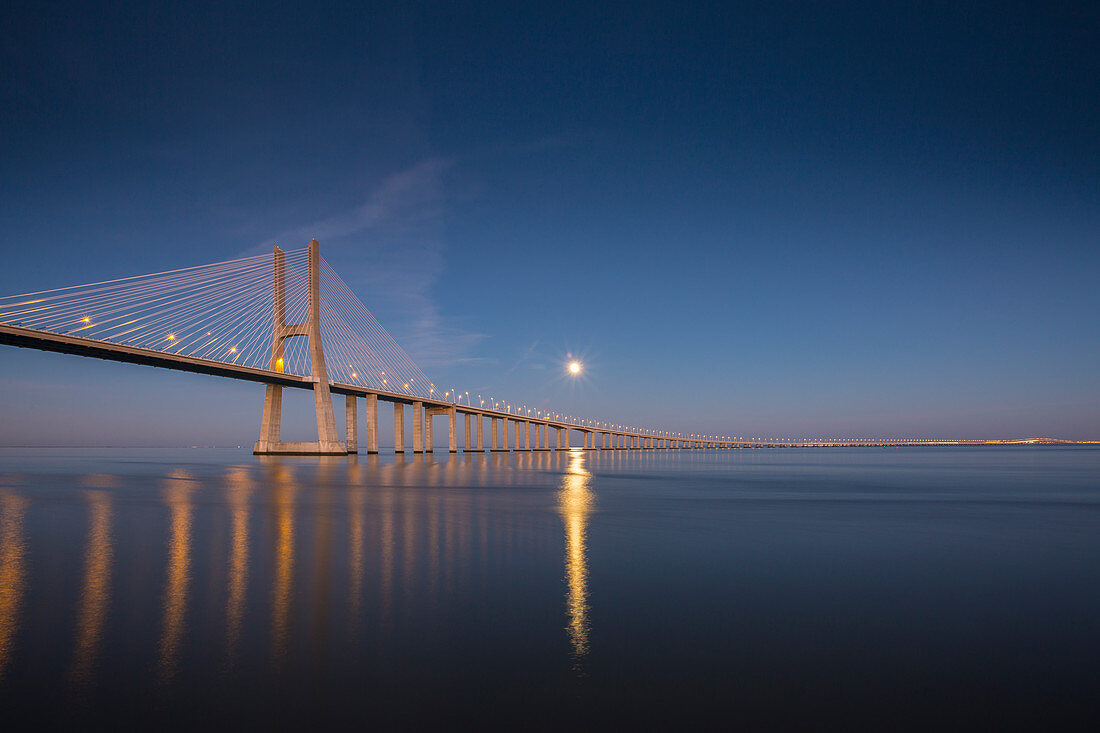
{"points": [[237, 492], [13, 561], [355, 552], [282, 590], [575, 502], [177, 495], [386, 581], [95, 593]]}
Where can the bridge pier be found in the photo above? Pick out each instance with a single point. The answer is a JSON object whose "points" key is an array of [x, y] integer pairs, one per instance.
{"points": [[466, 443], [452, 430], [352, 420], [429, 434], [328, 440], [418, 427], [398, 427], [372, 423]]}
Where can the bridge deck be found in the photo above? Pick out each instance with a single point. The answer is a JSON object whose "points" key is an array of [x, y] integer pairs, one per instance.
{"points": [[46, 341]]}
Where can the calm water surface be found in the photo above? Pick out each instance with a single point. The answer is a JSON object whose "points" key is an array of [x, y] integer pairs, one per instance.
{"points": [[883, 587]]}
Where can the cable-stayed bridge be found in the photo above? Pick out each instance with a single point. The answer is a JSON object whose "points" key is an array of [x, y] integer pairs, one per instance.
{"points": [[286, 319]]}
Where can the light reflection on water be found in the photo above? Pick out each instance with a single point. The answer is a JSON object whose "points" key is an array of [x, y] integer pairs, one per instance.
{"points": [[575, 501], [177, 496], [95, 590], [238, 490], [13, 561], [580, 578]]}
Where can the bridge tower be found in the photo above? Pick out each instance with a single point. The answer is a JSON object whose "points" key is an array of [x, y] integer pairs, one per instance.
{"points": [[328, 441]]}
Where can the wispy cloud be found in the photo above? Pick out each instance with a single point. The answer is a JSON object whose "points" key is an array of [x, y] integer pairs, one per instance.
{"points": [[390, 250]]}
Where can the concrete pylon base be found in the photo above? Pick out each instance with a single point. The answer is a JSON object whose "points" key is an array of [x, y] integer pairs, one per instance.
{"points": [[264, 448]]}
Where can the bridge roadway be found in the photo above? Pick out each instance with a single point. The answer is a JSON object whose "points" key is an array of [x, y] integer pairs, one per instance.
{"points": [[611, 438]]}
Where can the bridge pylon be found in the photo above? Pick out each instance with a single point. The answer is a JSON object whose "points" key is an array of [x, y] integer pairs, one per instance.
{"points": [[328, 441]]}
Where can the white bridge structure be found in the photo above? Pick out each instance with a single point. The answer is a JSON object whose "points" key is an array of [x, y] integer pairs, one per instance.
{"points": [[288, 320]]}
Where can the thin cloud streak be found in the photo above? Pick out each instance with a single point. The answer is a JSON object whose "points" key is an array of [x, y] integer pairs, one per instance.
{"points": [[390, 252]]}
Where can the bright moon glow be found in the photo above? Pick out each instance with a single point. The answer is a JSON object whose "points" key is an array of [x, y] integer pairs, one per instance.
{"points": [[574, 367]]}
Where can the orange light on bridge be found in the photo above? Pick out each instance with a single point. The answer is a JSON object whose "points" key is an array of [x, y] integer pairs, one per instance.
{"points": [[279, 364], [171, 337]]}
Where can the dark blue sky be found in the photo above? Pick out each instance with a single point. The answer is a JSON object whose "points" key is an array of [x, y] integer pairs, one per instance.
{"points": [[771, 219]]}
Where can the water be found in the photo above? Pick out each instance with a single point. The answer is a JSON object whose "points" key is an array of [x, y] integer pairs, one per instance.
{"points": [[889, 588]]}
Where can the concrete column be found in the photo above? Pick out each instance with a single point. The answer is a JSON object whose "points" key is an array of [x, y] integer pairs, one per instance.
{"points": [[429, 437], [271, 423], [352, 420], [559, 438], [372, 423], [466, 444], [452, 430], [503, 434], [527, 436], [418, 427], [480, 426], [326, 422], [493, 425], [398, 427], [566, 438], [546, 436], [519, 434]]}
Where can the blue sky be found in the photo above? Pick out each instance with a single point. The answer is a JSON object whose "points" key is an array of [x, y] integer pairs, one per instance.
{"points": [[762, 219]]}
